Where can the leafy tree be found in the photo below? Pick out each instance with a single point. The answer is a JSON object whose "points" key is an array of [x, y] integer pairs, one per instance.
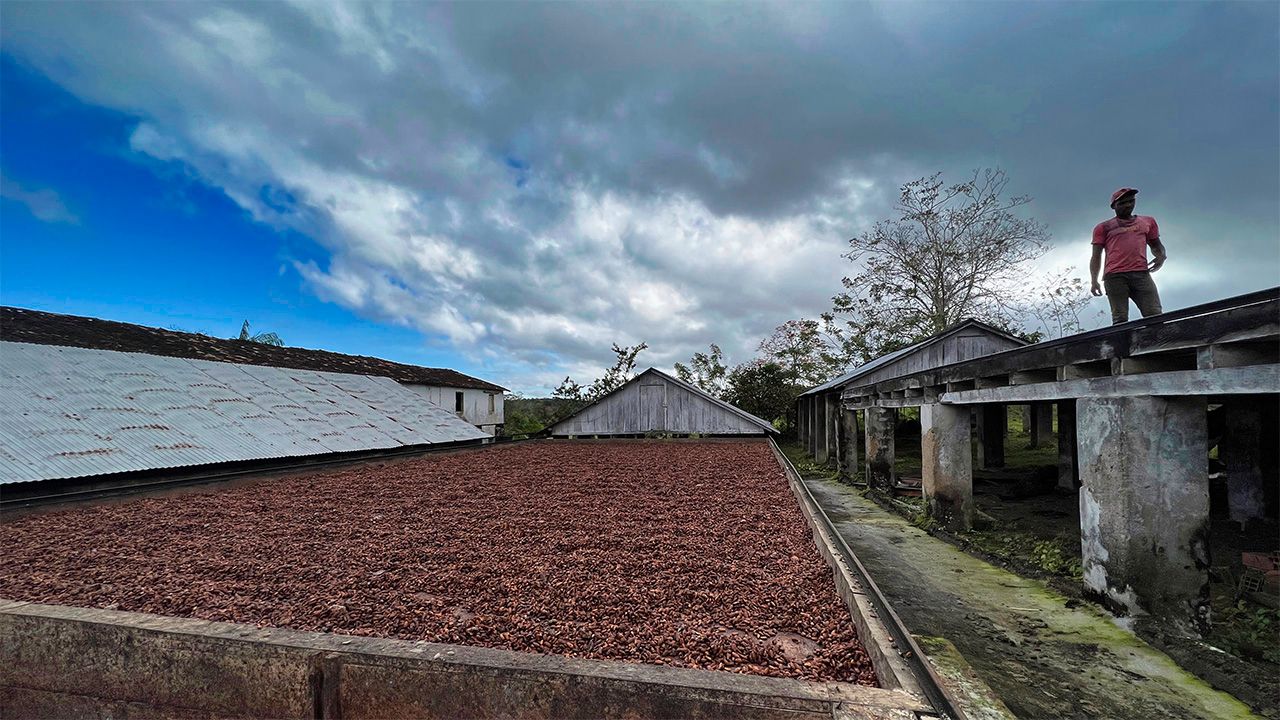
{"points": [[705, 370], [572, 395], [955, 252], [268, 338], [764, 389], [806, 354]]}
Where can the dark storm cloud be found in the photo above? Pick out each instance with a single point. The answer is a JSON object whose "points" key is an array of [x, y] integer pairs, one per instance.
{"points": [[541, 179]]}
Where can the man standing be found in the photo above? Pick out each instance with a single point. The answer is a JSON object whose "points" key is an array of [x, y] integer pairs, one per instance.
{"points": [[1125, 238]]}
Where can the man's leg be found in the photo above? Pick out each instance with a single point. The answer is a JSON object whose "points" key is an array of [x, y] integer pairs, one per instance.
{"points": [[1117, 287], [1145, 295]]}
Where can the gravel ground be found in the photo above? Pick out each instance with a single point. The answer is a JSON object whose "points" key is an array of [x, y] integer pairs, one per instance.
{"points": [[692, 554]]}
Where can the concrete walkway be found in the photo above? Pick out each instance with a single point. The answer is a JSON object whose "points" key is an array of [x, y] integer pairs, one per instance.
{"points": [[1043, 659]]}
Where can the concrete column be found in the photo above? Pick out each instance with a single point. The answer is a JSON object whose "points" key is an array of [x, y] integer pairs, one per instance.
{"points": [[814, 424], [1068, 464], [1144, 506], [880, 425], [1041, 427], [947, 464], [993, 424], [1239, 452], [831, 418], [848, 443], [801, 431], [821, 448]]}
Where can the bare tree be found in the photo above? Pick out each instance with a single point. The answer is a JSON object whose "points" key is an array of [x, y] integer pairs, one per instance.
{"points": [[1055, 305], [268, 338], [955, 252]]}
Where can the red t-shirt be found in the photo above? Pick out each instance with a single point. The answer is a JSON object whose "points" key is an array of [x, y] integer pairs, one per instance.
{"points": [[1126, 242]]}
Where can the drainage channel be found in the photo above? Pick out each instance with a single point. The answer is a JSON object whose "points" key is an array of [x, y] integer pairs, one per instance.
{"points": [[840, 556]]}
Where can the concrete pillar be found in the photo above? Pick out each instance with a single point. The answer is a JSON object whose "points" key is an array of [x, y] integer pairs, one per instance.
{"points": [[831, 423], [1041, 427], [814, 424], [801, 430], [848, 443], [993, 424], [1144, 505], [821, 448], [947, 464], [1068, 464], [1239, 452], [880, 425]]}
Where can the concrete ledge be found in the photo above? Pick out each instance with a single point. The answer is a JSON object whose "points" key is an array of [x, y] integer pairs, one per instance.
{"points": [[891, 670], [64, 661]]}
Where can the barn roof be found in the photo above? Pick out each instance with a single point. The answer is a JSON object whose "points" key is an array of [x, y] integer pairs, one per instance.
{"points": [[73, 412], [45, 328], [693, 389], [895, 356]]}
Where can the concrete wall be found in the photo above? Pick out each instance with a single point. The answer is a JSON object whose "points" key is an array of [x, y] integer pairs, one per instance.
{"points": [[75, 662], [475, 404]]}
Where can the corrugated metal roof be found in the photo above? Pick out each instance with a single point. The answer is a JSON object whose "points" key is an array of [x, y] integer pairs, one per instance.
{"points": [[73, 412], [34, 326]]}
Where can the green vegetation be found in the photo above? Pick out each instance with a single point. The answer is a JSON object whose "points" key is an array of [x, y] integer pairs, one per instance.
{"points": [[1242, 628]]}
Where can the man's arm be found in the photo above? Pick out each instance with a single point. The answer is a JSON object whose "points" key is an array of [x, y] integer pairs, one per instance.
{"points": [[1157, 249], [1095, 266]]}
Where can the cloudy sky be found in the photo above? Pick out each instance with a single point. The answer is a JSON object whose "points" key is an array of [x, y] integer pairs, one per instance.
{"points": [[508, 189]]}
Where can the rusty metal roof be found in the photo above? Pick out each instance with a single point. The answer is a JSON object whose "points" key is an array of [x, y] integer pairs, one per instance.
{"points": [[73, 412], [34, 326]]}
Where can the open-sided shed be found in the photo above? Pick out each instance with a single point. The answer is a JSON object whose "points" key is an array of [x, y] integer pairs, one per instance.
{"points": [[654, 402], [831, 435]]}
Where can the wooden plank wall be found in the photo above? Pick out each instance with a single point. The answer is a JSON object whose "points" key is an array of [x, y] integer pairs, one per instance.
{"points": [[966, 345], [636, 409]]}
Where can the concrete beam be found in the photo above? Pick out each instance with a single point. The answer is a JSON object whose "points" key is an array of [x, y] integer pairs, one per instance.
{"points": [[1239, 450], [947, 464], [880, 452], [848, 465], [1253, 380], [1144, 505]]}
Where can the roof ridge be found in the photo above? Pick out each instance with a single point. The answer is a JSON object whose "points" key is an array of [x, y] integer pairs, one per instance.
{"points": [[48, 328]]}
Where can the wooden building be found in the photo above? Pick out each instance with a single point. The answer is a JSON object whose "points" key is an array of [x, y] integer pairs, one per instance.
{"points": [[654, 402], [831, 435]]}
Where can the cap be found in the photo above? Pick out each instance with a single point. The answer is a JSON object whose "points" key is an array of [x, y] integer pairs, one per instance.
{"points": [[1115, 196]]}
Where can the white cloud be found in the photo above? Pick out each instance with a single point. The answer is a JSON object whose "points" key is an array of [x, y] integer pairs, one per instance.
{"points": [[44, 204], [534, 184]]}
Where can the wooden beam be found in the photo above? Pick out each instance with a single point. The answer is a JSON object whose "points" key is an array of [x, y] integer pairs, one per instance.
{"points": [[1152, 363], [1251, 322], [1028, 377], [1237, 355], [1084, 370], [1258, 379]]}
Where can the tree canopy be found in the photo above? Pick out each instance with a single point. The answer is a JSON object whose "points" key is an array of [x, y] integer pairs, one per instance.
{"points": [[955, 252]]}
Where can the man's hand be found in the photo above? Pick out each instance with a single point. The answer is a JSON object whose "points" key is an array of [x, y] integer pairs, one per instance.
{"points": [[1156, 264], [1096, 289]]}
